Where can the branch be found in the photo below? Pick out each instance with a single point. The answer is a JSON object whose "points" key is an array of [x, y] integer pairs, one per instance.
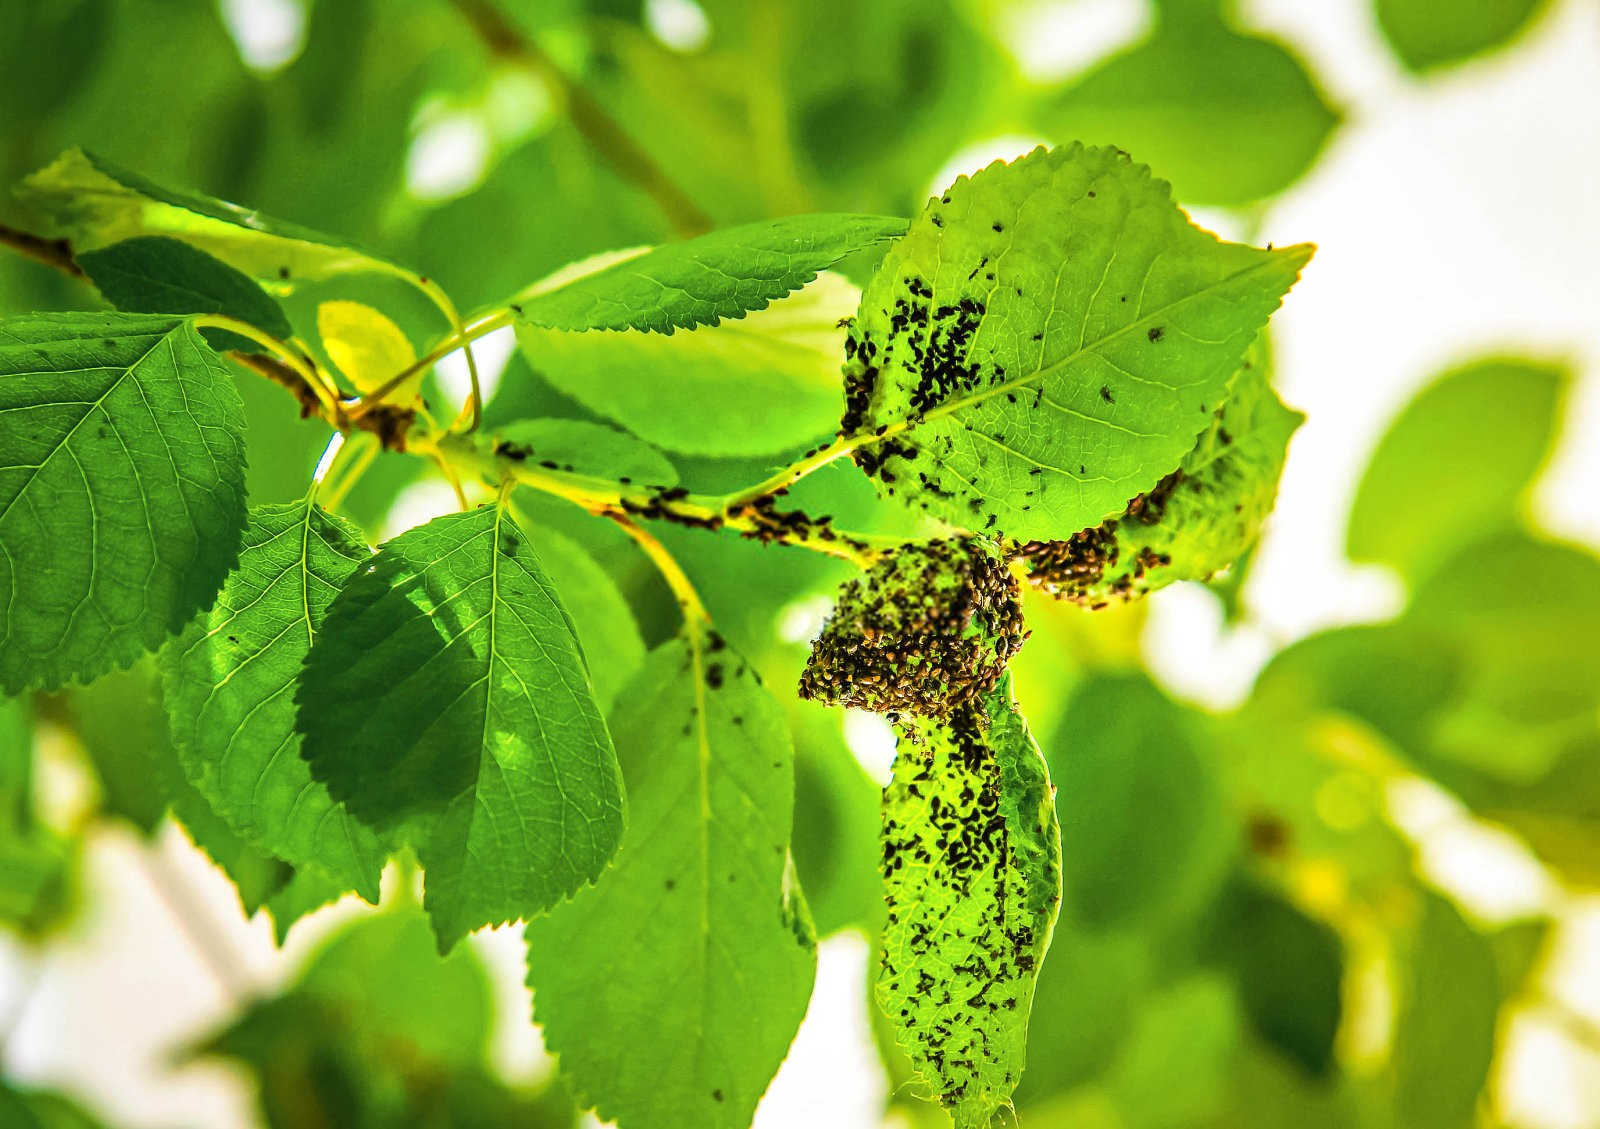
{"points": [[756, 519], [54, 253], [590, 118]]}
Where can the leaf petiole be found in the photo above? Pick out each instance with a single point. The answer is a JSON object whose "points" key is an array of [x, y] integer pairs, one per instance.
{"points": [[327, 396]]}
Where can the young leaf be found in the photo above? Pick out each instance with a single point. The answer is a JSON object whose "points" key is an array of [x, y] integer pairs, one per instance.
{"points": [[725, 274], [229, 689], [1047, 342], [671, 990], [365, 345], [1426, 35], [1197, 520], [713, 390], [1469, 445], [446, 701], [972, 881], [152, 274], [576, 446], [86, 199], [123, 500]]}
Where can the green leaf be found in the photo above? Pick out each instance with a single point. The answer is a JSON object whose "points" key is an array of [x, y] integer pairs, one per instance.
{"points": [[380, 1032], [307, 891], [766, 382], [91, 202], [122, 725], [1196, 522], [1229, 118], [835, 841], [123, 499], [1141, 811], [1172, 1071], [1425, 35], [445, 701], [35, 862], [1087, 1000], [972, 881], [1288, 969], [576, 446], [230, 683], [41, 1109], [1448, 1012], [1469, 446], [54, 49], [123, 730], [383, 970], [155, 275], [605, 625], [1048, 341], [725, 274], [671, 989]]}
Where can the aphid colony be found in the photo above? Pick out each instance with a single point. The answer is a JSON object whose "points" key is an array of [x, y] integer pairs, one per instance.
{"points": [[927, 632]]}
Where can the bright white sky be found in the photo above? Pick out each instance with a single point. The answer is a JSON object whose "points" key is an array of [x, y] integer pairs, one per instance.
{"points": [[1453, 217]]}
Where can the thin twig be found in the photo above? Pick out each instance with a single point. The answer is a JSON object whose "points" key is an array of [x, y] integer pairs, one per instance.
{"points": [[590, 118], [54, 253]]}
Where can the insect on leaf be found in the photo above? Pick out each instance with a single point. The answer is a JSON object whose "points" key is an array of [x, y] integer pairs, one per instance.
{"points": [[972, 881], [1047, 341]]}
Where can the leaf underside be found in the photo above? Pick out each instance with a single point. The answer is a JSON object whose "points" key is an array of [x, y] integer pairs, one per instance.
{"points": [[447, 701], [230, 694], [725, 274]]}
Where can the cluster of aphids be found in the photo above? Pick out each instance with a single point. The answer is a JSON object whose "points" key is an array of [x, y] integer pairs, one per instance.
{"points": [[927, 631]]}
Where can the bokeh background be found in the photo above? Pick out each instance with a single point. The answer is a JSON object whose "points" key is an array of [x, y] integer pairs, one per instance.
{"points": [[1354, 890]]}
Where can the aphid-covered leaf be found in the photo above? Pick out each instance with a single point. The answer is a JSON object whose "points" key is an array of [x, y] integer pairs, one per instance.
{"points": [[1195, 522], [765, 382], [122, 498], [928, 631], [671, 989], [1047, 342], [445, 701], [230, 694], [972, 881], [725, 274]]}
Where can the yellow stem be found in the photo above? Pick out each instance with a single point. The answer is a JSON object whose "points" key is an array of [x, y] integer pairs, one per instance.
{"points": [[325, 395], [472, 411], [695, 616], [456, 339], [336, 494]]}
